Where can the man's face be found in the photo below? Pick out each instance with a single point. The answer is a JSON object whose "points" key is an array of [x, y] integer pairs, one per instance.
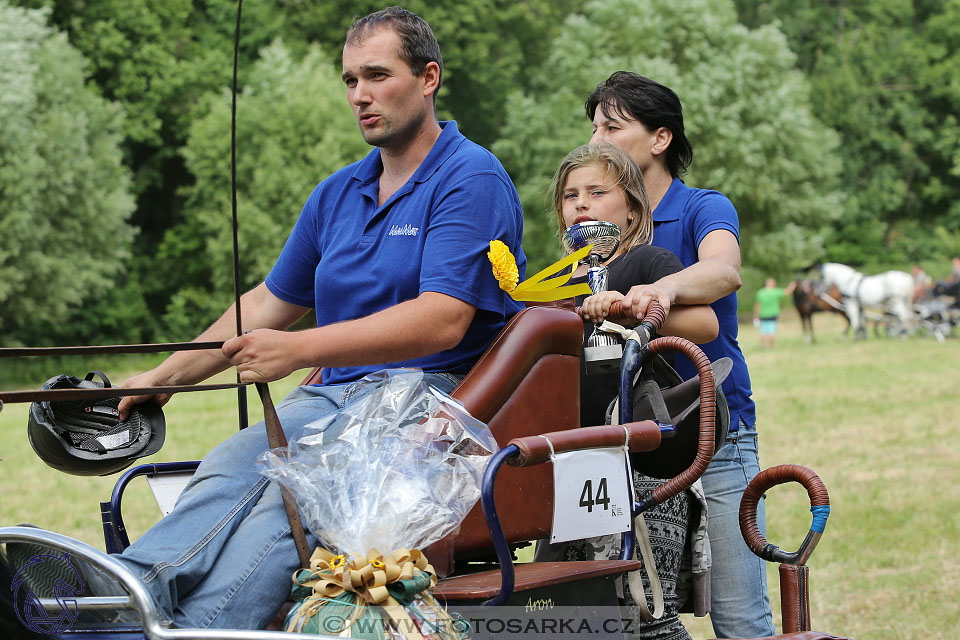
{"points": [[630, 135], [387, 99]]}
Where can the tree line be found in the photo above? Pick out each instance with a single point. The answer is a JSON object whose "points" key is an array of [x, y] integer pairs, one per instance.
{"points": [[831, 125]]}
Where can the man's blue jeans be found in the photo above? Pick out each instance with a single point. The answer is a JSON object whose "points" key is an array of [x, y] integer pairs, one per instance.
{"points": [[224, 557], [739, 605]]}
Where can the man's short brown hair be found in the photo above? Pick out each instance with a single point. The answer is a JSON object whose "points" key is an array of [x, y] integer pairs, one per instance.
{"points": [[418, 45]]}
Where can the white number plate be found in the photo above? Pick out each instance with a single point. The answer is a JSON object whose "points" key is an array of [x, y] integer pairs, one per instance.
{"points": [[592, 494]]}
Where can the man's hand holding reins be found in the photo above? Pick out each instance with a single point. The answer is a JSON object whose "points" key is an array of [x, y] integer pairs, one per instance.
{"points": [[264, 355]]}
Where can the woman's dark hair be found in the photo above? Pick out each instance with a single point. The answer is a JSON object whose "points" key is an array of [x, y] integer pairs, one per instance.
{"points": [[631, 96], [418, 45]]}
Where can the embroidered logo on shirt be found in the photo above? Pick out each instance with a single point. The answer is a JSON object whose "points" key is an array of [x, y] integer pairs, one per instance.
{"points": [[405, 230]]}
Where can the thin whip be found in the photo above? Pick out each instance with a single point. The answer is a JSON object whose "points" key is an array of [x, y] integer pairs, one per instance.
{"points": [[241, 391]]}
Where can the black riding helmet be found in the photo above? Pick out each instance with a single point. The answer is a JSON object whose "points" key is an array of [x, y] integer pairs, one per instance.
{"points": [[86, 437], [661, 394]]}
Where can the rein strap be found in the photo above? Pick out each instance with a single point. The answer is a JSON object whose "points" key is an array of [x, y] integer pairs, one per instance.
{"points": [[20, 352], [59, 395]]}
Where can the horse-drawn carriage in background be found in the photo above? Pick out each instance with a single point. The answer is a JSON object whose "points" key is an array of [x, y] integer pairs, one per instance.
{"points": [[525, 387], [885, 298], [885, 301]]}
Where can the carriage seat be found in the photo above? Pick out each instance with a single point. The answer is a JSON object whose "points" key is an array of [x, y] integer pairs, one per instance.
{"points": [[526, 383]]}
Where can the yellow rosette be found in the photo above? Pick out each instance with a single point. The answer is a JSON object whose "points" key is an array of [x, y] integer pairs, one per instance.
{"points": [[541, 287]]}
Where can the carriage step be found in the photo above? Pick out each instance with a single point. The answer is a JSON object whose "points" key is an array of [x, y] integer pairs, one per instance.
{"points": [[528, 576]]}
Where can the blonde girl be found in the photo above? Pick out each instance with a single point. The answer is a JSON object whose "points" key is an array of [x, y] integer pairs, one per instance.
{"points": [[601, 182]]}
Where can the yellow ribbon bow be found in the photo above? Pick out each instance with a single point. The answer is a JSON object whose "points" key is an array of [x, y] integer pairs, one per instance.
{"points": [[366, 576], [541, 287]]}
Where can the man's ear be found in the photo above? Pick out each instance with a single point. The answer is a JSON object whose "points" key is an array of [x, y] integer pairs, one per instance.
{"points": [[431, 78]]}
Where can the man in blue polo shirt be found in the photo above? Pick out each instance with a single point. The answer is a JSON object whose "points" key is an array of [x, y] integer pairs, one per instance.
{"points": [[391, 254], [701, 227]]}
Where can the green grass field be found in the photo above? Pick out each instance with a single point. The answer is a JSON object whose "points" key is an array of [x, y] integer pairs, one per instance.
{"points": [[876, 419]]}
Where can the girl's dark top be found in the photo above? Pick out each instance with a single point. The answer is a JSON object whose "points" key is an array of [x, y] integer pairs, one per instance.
{"points": [[644, 264]]}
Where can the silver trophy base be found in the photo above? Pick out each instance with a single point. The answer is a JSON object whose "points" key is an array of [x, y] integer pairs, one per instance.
{"points": [[604, 358]]}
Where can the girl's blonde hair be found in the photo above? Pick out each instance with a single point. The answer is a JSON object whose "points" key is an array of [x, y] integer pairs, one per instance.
{"points": [[617, 164]]}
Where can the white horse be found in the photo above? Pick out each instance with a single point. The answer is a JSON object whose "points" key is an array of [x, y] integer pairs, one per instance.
{"points": [[891, 291]]}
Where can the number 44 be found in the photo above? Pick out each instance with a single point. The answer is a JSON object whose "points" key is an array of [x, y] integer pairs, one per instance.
{"points": [[587, 498]]}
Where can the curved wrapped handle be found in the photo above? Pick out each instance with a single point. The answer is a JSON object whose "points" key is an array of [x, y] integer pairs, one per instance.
{"points": [[819, 506], [638, 436], [654, 317], [708, 414]]}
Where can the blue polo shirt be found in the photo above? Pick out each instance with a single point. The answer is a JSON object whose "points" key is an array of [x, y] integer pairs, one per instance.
{"points": [[680, 222], [348, 257]]}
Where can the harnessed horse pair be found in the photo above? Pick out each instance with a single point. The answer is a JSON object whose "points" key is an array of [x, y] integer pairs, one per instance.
{"points": [[891, 292]]}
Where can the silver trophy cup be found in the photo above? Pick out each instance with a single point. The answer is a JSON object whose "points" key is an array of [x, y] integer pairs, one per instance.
{"points": [[603, 350]]}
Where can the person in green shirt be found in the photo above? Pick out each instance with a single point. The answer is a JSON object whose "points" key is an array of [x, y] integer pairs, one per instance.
{"points": [[767, 310]]}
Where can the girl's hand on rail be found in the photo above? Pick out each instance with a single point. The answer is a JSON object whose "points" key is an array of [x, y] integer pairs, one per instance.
{"points": [[597, 307], [612, 305]]}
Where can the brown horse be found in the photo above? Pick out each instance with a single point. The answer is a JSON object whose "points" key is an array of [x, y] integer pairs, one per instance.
{"points": [[809, 297]]}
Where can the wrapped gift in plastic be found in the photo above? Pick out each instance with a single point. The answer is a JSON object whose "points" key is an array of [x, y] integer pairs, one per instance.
{"points": [[394, 472]]}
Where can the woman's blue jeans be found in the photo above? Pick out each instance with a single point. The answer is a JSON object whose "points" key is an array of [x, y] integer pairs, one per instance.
{"points": [[224, 557], [739, 605]]}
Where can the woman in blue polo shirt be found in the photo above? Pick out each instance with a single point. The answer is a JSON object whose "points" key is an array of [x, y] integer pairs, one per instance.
{"points": [[702, 229]]}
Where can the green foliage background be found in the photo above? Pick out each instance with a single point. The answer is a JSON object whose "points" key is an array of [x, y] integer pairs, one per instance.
{"points": [[64, 191], [884, 75], [747, 112], [832, 126]]}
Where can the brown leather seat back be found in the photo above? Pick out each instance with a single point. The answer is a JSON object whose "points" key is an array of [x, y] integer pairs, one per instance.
{"points": [[526, 383]]}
